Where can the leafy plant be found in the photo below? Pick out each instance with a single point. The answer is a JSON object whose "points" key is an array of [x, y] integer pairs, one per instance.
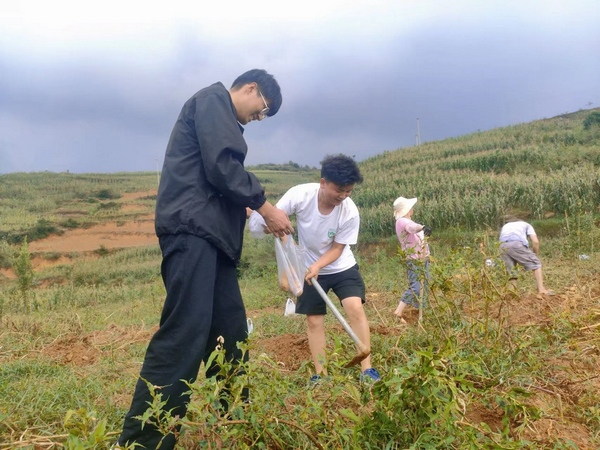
{"points": [[418, 406], [86, 431], [24, 270]]}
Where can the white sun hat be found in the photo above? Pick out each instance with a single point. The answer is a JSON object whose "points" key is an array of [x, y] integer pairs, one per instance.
{"points": [[402, 206]]}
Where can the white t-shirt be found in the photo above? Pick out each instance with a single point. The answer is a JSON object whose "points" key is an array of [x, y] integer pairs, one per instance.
{"points": [[516, 231], [316, 231]]}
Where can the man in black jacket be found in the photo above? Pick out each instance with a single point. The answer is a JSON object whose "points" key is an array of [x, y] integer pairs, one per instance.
{"points": [[200, 217]]}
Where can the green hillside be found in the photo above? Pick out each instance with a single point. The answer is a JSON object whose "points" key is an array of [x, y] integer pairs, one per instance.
{"points": [[36, 205], [485, 365], [539, 169]]}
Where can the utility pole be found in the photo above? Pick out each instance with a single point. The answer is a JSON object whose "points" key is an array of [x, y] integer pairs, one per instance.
{"points": [[418, 133]]}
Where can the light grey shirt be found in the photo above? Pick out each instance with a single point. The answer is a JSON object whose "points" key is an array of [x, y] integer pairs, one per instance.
{"points": [[516, 231]]}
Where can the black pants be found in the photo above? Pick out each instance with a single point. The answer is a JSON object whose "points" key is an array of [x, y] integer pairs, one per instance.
{"points": [[203, 302]]}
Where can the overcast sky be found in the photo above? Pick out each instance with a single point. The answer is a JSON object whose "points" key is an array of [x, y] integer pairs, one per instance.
{"points": [[96, 86]]}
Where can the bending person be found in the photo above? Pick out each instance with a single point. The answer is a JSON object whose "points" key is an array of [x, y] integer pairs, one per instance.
{"points": [[328, 223], [514, 250]]}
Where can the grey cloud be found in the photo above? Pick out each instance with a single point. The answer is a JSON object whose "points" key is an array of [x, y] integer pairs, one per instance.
{"points": [[359, 93]]}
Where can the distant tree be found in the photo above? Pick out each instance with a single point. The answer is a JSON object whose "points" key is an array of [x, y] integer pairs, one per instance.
{"points": [[591, 120], [291, 166]]}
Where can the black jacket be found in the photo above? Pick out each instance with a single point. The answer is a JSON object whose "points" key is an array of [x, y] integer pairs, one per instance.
{"points": [[204, 188]]}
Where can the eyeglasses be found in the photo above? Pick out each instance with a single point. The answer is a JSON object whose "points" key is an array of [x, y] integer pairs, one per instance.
{"points": [[265, 110]]}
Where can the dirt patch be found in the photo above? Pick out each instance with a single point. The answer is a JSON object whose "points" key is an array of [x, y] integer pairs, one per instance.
{"points": [[478, 414], [8, 274], [545, 430], [139, 232], [84, 242], [531, 309], [85, 349], [289, 351], [111, 235], [130, 196], [524, 310], [73, 349]]}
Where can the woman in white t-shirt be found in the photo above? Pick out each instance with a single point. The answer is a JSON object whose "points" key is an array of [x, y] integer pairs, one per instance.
{"points": [[328, 222]]}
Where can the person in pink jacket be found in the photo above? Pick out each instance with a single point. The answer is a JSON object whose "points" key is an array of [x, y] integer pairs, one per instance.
{"points": [[411, 236]]}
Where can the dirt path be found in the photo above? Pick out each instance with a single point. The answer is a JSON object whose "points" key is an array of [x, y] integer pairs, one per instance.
{"points": [[73, 244], [110, 236]]}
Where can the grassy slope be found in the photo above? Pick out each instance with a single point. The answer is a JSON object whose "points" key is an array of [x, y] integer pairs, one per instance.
{"points": [[536, 169], [488, 365]]}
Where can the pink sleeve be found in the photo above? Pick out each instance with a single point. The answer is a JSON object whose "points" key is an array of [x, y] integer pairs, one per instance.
{"points": [[413, 227], [407, 226]]}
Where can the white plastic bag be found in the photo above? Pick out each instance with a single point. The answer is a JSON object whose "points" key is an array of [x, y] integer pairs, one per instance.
{"points": [[290, 265], [290, 307], [256, 225]]}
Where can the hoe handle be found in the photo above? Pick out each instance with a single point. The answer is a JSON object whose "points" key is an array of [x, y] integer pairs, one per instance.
{"points": [[363, 350]]}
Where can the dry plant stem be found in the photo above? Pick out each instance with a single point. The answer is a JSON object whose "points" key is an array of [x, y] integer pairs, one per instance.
{"points": [[437, 317], [396, 347], [448, 309], [247, 422], [422, 293], [46, 441], [472, 306], [482, 431], [558, 396], [501, 319], [487, 275], [571, 383], [379, 315], [268, 433], [486, 310]]}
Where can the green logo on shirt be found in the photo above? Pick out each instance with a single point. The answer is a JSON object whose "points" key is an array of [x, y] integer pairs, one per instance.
{"points": [[331, 233]]}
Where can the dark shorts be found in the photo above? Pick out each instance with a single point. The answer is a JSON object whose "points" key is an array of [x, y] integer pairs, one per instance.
{"points": [[348, 283]]}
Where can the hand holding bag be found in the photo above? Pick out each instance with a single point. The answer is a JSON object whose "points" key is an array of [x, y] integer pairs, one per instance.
{"points": [[290, 265]]}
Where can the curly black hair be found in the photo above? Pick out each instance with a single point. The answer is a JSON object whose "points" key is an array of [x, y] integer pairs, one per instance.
{"points": [[341, 170]]}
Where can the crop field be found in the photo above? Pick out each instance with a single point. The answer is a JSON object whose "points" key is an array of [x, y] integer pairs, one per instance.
{"points": [[487, 366]]}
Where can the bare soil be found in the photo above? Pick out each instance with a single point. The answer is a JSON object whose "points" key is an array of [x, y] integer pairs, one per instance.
{"points": [[139, 232]]}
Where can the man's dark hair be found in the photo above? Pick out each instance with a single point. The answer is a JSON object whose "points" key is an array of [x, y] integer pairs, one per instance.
{"points": [[267, 84], [341, 170]]}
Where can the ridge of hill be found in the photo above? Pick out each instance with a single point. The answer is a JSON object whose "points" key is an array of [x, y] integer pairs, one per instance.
{"points": [[538, 169]]}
